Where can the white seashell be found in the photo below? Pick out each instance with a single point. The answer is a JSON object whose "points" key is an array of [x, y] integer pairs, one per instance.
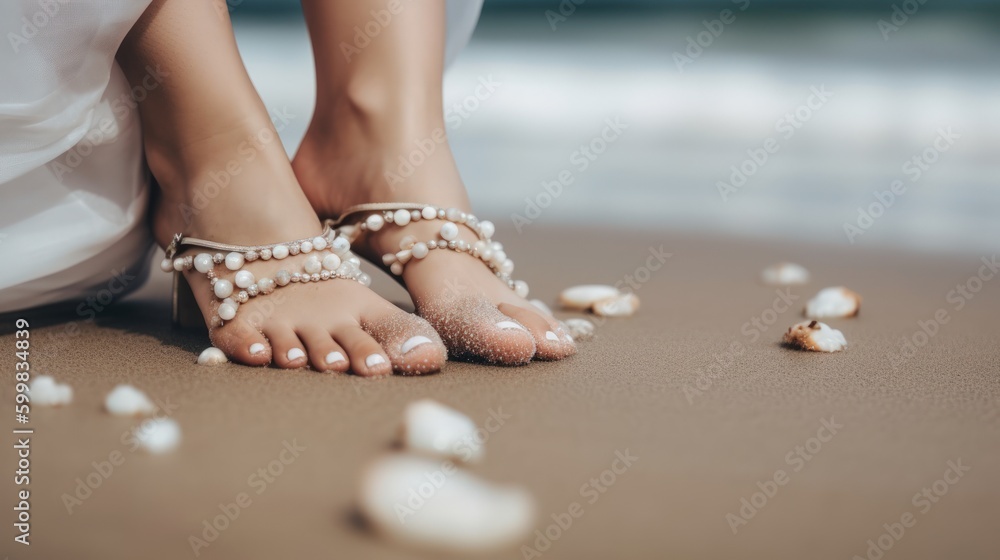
{"points": [[433, 503], [815, 336], [158, 435], [622, 305], [212, 356], [784, 274], [541, 305], [583, 297], [45, 391], [833, 302], [580, 329], [126, 400], [433, 428]]}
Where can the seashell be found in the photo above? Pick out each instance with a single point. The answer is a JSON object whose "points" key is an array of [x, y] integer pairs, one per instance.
{"points": [[434, 504], [622, 305], [784, 274], [833, 302], [126, 400], [815, 336], [45, 391], [432, 428], [158, 435], [212, 356], [583, 297], [580, 329]]}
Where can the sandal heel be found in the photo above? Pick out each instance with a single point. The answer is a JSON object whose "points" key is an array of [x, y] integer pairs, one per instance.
{"points": [[186, 313]]}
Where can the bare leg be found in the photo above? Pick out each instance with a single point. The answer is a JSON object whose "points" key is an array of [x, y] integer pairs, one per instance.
{"points": [[373, 105], [223, 176]]}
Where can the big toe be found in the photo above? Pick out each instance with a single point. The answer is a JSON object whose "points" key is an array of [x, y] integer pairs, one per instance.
{"points": [[474, 329]]}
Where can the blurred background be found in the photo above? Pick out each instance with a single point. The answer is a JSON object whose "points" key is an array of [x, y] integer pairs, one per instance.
{"points": [[851, 98]]}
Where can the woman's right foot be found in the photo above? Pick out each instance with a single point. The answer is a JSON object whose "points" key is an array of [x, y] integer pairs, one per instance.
{"points": [[337, 325]]}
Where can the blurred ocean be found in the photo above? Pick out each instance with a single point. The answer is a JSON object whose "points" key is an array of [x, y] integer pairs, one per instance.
{"points": [[685, 117]]}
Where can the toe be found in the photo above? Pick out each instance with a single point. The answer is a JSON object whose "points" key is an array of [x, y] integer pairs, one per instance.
{"points": [[289, 351], [324, 354], [410, 342], [552, 340], [243, 344], [365, 354], [474, 329]]}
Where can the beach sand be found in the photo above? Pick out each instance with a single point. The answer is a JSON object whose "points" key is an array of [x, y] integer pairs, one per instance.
{"points": [[704, 436]]}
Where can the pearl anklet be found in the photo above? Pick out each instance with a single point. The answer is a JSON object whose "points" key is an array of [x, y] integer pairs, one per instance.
{"points": [[485, 249], [330, 259]]}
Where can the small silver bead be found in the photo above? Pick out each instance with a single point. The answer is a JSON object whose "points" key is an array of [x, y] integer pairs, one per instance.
{"points": [[325, 275], [243, 296], [218, 258], [265, 254], [253, 290], [251, 256], [315, 277], [293, 249]]}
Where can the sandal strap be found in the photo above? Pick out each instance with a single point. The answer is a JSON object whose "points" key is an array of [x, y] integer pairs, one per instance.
{"points": [[374, 207], [180, 241]]}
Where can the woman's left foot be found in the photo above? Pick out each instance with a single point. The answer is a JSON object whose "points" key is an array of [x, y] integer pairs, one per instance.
{"points": [[477, 314]]}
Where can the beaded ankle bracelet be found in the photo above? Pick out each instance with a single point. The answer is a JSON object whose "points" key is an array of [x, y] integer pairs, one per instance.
{"points": [[485, 249], [331, 258]]}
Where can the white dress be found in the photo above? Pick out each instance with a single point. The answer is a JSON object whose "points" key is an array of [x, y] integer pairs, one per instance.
{"points": [[74, 187]]}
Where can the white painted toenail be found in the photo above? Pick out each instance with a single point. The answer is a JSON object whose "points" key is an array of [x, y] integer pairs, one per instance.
{"points": [[510, 325], [257, 348], [374, 360], [414, 342], [334, 357], [295, 354], [549, 335]]}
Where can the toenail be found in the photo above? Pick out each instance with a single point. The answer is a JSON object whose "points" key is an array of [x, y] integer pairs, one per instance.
{"points": [[549, 335], [295, 354], [510, 325], [374, 360], [334, 357], [414, 342], [257, 348]]}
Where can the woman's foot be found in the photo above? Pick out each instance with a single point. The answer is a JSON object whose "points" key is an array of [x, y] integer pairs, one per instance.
{"points": [[336, 325], [358, 161]]}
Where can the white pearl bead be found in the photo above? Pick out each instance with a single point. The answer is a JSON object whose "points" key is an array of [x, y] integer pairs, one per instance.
{"points": [[319, 243], [279, 251], [497, 246], [265, 285], [487, 229], [415, 215], [245, 278], [401, 217], [226, 311], [521, 288], [313, 265], [507, 267], [429, 212], [282, 277], [167, 265], [396, 268], [499, 257], [403, 257], [388, 258], [223, 288], [265, 254], [407, 242], [449, 231], [346, 269], [306, 246], [331, 262], [234, 261], [419, 250], [341, 246], [365, 279], [453, 214], [374, 222], [203, 262], [486, 254], [178, 264], [355, 261]]}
